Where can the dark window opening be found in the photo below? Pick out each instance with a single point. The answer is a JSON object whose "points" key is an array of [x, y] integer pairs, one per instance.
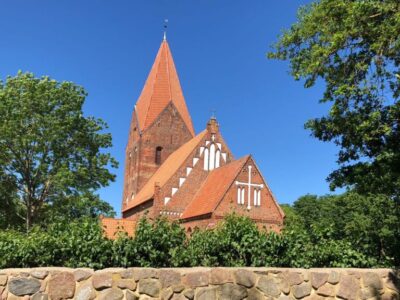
{"points": [[158, 155]]}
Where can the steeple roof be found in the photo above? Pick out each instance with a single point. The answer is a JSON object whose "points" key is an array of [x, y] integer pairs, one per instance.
{"points": [[162, 87]]}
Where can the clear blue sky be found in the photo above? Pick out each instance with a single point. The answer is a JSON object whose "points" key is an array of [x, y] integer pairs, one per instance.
{"points": [[219, 50]]}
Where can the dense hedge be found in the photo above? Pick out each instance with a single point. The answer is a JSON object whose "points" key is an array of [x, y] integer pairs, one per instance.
{"points": [[235, 242]]}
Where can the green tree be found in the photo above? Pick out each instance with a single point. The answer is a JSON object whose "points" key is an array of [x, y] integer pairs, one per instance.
{"points": [[371, 224], [353, 46], [50, 152], [11, 211]]}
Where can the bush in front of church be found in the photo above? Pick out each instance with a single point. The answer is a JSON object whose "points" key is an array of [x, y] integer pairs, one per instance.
{"points": [[234, 242]]}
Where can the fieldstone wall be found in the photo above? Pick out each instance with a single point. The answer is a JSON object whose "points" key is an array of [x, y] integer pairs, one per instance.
{"points": [[198, 284]]}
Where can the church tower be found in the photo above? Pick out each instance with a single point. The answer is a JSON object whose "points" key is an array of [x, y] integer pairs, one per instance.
{"points": [[160, 124]]}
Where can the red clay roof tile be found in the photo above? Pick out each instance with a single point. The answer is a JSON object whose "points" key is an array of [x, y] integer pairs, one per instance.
{"points": [[162, 87], [166, 170], [213, 189]]}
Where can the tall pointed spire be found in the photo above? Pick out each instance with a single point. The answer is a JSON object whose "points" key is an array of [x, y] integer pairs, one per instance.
{"points": [[161, 88]]}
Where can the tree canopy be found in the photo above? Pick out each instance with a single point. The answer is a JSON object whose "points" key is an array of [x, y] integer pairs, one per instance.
{"points": [[353, 48], [370, 223], [51, 154]]}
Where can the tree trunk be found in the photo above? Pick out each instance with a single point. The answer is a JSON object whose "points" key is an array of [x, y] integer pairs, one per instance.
{"points": [[28, 216]]}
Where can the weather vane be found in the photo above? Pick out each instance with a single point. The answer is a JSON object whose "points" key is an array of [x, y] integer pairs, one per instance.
{"points": [[165, 28]]}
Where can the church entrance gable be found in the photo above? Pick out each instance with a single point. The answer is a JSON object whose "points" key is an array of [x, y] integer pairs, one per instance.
{"points": [[250, 195]]}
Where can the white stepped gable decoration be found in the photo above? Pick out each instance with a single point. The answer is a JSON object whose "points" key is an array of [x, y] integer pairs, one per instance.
{"points": [[188, 170], [181, 181], [224, 156], [212, 158], [241, 187]]}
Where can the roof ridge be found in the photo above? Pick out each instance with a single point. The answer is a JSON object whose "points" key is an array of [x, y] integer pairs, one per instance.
{"points": [[168, 73], [152, 87]]}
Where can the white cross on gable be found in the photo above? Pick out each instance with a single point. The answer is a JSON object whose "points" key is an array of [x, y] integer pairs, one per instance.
{"points": [[248, 185]]}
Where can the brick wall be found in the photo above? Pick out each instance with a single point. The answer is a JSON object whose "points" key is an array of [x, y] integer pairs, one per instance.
{"points": [[168, 131], [199, 284]]}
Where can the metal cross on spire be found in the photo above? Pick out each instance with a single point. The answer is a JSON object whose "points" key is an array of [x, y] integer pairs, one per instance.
{"points": [[165, 29]]}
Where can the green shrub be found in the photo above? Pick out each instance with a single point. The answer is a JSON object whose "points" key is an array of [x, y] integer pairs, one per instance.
{"points": [[234, 242]]}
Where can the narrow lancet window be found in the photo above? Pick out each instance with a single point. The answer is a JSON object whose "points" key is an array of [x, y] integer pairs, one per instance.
{"points": [[212, 157], [217, 158], [206, 159], [158, 155]]}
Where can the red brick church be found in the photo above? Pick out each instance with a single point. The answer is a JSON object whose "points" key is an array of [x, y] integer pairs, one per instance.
{"points": [[170, 171]]}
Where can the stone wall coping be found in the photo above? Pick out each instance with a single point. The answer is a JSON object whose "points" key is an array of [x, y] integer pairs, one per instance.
{"points": [[196, 269]]}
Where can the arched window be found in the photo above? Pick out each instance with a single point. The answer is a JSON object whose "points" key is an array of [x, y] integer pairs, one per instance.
{"points": [[240, 195], [212, 157], [158, 155], [217, 158], [206, 159]]}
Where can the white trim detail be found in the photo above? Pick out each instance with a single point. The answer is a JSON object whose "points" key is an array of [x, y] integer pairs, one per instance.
{"points": [[188, 170], [217, 159], [201, 150], [195, 160], [219, 146], [212, 157], [174, 190], [207, 142], [166, 200], [206, 159], [249, 185], [223, 156], [181, 181]]}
